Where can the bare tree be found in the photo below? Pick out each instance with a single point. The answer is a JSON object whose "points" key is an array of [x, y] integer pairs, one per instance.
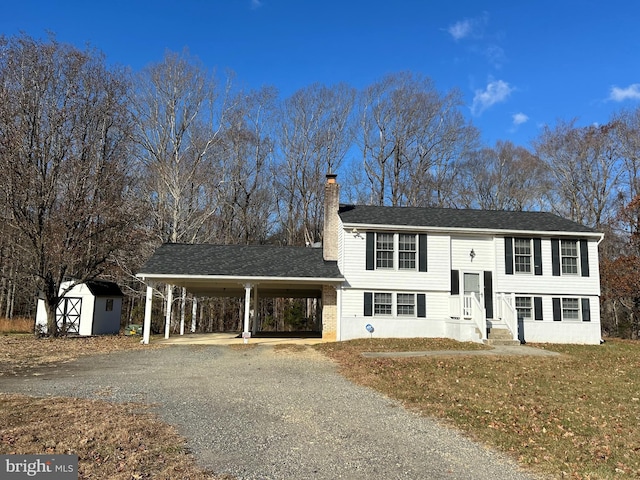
{"points": [[64, 130], [411, 137], [505, 177], [315, 133], [583, 164], [177, 124], [246, 192]]}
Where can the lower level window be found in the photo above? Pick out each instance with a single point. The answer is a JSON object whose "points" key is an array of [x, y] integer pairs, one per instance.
{"points": [[382, 304], [570, 309], [406, 304], [523, 308]]}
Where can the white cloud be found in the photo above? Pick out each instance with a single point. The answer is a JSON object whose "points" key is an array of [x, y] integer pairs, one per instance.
{"points": [[469, 27], [632, 92], [497, 91], [460, 30], [255, 4], [520, 118]]}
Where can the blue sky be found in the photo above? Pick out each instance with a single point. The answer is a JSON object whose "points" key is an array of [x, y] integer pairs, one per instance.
{"points": [[519, 65]]}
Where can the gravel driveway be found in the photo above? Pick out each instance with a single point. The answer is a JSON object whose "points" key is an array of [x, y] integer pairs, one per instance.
{"points": [[264, 414]]}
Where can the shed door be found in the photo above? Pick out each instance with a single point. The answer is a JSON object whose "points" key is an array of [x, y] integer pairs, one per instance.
{"points": [[68, 315]]}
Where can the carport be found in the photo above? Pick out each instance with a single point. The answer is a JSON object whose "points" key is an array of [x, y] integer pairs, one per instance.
{"points": [[247, 271]]}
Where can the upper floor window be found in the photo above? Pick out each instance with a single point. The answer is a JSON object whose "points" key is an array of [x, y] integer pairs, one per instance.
{"points": [[400, 251], [569, 256], [522, 255], [384, 250], [407, 251]]}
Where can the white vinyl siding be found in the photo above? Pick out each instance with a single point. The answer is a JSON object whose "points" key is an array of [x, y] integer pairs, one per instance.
{"points": [[547, 284]]}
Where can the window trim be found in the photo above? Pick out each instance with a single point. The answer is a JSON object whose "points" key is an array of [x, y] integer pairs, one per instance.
{"points": [[516, 255], [418, 253], [412, 305], [413, 252], [378, 251], [582, 307], [575, 257], [419, 305], [530, 308]]}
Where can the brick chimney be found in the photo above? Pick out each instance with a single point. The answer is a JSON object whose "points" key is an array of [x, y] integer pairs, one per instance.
{"points": [[331, 204]]}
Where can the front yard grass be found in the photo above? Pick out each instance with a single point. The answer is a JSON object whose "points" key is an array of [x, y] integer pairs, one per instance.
{"points": [[573, 416]]}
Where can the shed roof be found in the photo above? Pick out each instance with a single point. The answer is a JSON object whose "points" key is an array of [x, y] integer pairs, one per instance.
{"points": [[104, 288], [459, 218]]}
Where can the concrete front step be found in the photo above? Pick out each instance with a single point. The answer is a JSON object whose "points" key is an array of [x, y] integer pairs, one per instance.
{"points": [[495, 341], [500, 336]]}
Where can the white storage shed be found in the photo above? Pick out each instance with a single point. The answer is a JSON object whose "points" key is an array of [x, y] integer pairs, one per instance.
{"points": [[90, 308]]}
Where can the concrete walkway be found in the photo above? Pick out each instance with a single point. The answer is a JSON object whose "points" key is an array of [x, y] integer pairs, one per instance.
{"points": [[518, 350]]}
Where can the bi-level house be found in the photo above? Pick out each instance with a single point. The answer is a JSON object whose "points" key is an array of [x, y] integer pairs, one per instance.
{"points": [[414, 272]]}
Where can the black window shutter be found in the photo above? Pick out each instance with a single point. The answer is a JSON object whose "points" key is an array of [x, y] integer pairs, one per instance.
{"points": [[368, 304], [455, 282], [586, 311], [488, 293], [537, 308], [371, 250], [537, 256], [508, 255], [422, 253], [584, 258], [557, 310], [422, 305], [555, 256]]}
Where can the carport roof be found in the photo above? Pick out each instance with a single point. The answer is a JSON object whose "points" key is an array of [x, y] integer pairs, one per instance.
{"points": [[266, 261]]}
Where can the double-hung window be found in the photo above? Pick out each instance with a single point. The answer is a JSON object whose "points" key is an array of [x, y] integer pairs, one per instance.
{"points": [[569, 256], [522, 255], [523, 308], [407, 251], [396, 251], [571, 309], [406, 304], [395, 304], [384, 250], [382, 304]]}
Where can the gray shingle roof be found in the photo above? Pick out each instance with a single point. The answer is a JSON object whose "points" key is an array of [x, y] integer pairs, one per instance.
{"points": [[454, 218], [240, 261], [104, 288]]}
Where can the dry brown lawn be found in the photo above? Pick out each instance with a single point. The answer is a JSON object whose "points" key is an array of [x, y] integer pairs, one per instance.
{"points": [[112, 441], [573, 416]]}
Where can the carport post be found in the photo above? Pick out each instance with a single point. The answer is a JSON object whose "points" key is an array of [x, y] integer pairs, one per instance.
{"points": [[167, 321], [146, 329], [194, 311], [247, 306]]}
